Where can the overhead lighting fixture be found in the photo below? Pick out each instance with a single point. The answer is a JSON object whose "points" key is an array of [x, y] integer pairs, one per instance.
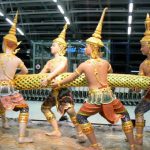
{"points": [[9, 21], [61, 9], [129, 19], [62, 12], [129, 30], [19, 30], [130, 7], [1, 14], [67, 20]]}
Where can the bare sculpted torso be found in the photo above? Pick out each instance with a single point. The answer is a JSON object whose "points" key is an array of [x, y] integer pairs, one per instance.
{"points": [[96, 72], [55, 63], [8, 66], [145, 68]]}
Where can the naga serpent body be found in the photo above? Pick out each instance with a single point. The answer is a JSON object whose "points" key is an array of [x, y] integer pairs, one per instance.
{"points": [[32, 81]]}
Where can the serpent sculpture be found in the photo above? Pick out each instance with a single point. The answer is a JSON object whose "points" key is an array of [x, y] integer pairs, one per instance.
{"points": [[32, 81]]}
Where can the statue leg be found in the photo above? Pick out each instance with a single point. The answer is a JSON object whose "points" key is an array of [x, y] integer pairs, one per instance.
{"points": [[23, 120], [5, 124], [88, 130], [46, 109], [4, 118], [127, 125], [80, 136], [140, 109], [139, 125]]}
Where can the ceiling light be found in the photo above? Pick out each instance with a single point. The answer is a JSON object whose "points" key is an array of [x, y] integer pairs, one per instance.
{"points": [[55, 1], [19, 30], [130, 7], [129, 19], [61, 9], [9, 21], [1, 14], [67, 20], [129, 30]]}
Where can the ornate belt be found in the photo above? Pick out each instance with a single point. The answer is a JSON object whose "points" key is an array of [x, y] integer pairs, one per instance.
{"points": [[6, 83], [100, 96], [7, 88]]}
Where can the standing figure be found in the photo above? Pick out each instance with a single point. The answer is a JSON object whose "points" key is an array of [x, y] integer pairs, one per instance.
{"points": [[101, 99], [61, 98], [144, 70], [10, 98]]}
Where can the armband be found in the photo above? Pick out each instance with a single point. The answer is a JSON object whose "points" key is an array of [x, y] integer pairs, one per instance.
{"points": [[109, 67], [21, 65], [59, 83], [141, 73], [76, 70]]}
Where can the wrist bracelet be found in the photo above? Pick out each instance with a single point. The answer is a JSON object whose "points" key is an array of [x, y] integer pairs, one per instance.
{"points": [[48, 79], [59, 84], [76, 70]]}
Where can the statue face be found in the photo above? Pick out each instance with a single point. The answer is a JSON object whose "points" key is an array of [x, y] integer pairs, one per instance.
{"points": [[55, 48], [8, 45], [88, 49], [3, 46], [145, 48]]}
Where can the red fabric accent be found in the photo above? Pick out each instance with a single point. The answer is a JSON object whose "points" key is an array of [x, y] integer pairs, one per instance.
{"points": [[12, 101], [118, 106], [108, 111], [90, 109]]}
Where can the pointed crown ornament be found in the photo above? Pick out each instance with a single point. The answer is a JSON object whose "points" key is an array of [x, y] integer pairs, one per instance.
{"points": [[96, 36], [11, 36], [146, 37], [61, 37], [61, 40]]}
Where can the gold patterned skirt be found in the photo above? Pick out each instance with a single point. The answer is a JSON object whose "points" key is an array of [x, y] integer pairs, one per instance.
{"points": [[9, 97]]}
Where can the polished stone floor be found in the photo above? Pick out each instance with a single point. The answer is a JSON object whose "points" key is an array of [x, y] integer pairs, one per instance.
{"points": [[111, 137]]}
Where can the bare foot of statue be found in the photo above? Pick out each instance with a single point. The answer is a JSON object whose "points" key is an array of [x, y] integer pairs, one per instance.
{"points": [[139, 140], [92, 148], [81, 138], [56, 133], [98, 147], [139, 147], [22, 140], [5, 125], [132, 147]]}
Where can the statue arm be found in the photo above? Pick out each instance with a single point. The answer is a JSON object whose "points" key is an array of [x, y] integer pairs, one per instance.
{"points": [[22, 67], [59, 69], [110, 70], [45, 69], [141, 70], [70, 78]]}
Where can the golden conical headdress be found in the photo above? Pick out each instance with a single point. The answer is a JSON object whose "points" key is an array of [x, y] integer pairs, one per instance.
{"points": [[61, 37], [11, 36], [96, 36], [146, 37]]}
